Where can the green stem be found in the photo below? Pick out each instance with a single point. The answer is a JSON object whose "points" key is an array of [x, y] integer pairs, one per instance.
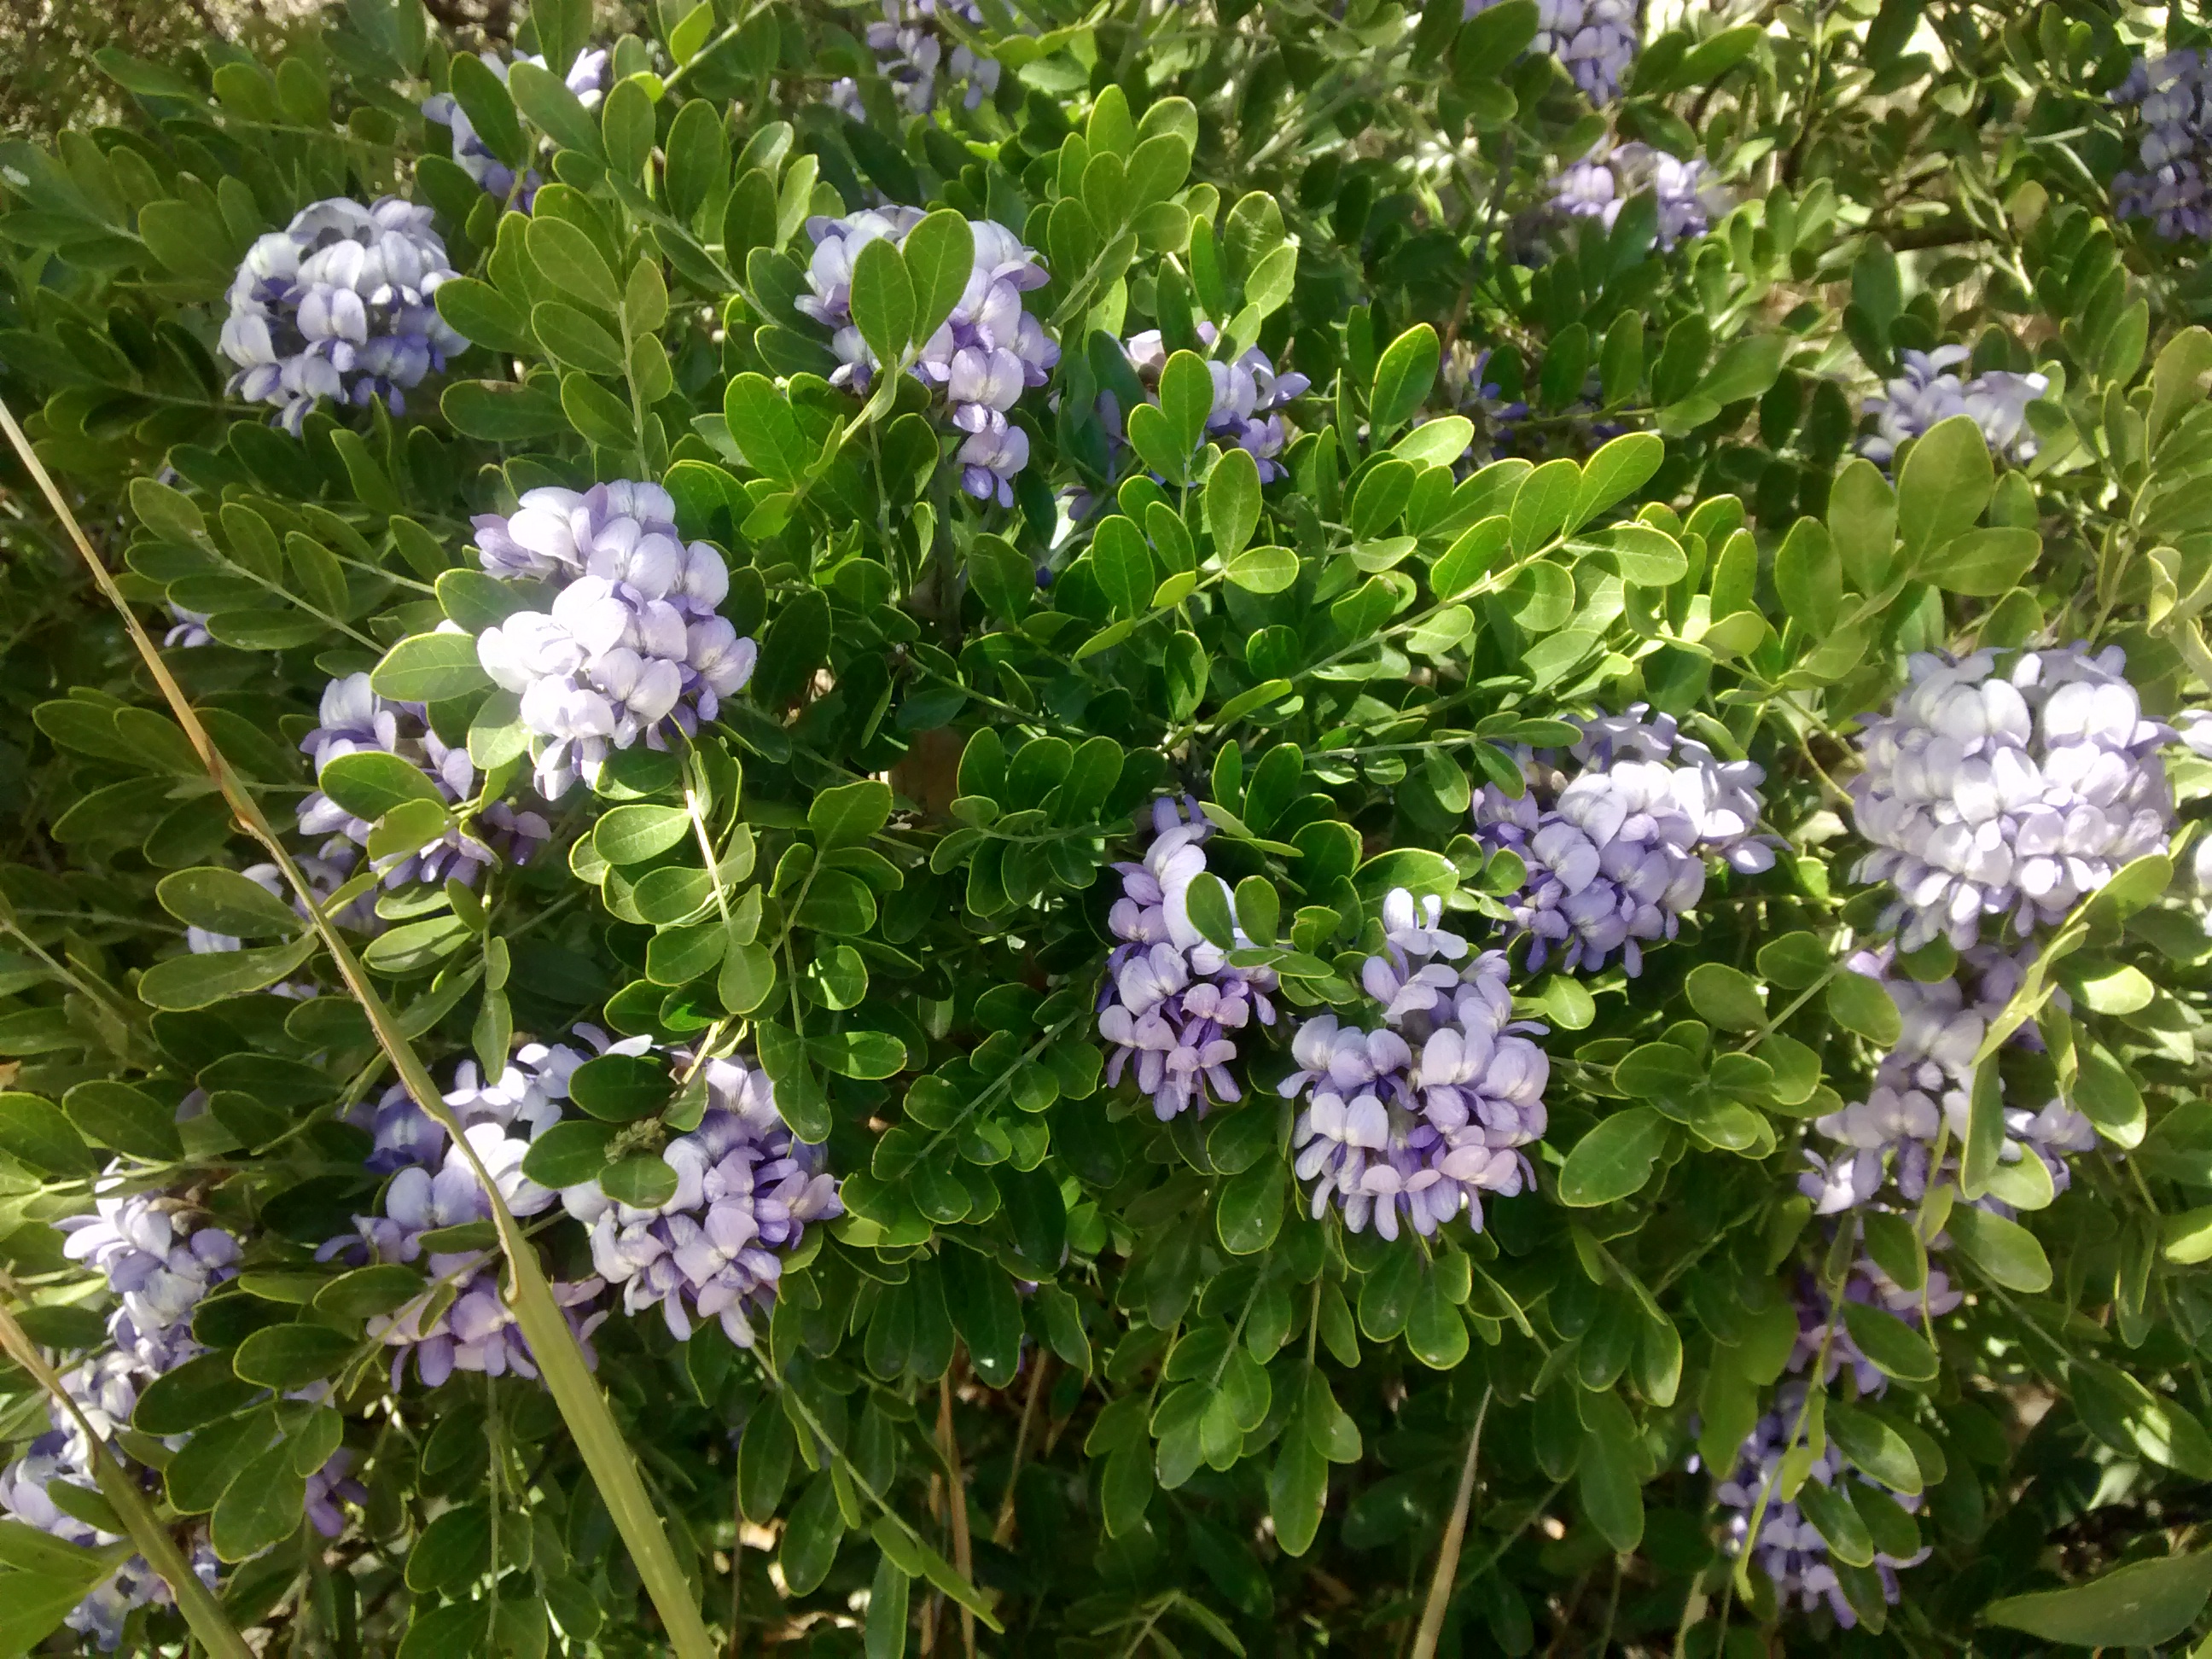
{"points": [[1440, 1584]]}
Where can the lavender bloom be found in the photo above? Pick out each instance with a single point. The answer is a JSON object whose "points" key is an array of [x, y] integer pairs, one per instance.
{"points": [[910, 54], [2012, 795], [1600, 185], [1249, 398], [1618, 856], [1595, 42], [585, 78], [632, 644], [746, 1187], [1924, 1085], [191, 630], [2169, 94], [1927, 392], [980, 359], [526, 1097], [354, 719], [1171, 1000], [1422, 1115], [1791, 1549], [159, 1259], [339, 305]]}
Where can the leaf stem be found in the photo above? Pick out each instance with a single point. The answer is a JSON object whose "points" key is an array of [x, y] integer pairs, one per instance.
{"points": [[1440, 1583]]}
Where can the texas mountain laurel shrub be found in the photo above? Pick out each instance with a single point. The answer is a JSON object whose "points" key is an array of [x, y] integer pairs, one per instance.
{"points": [[1119, 830]]}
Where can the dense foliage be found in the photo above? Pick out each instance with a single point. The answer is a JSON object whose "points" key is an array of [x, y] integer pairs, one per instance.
{"points": [[1162, 828]]}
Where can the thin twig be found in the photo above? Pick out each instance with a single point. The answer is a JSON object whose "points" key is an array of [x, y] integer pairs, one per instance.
{"points": [[956, 1503], [1440, 1586], [1002, 1530]]}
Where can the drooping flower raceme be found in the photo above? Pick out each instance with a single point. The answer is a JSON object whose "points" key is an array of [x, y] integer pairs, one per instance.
{"points": [[1924, 1085], [1414, 1118], [1929, 391], [980, 359], [1249, 396], [2008, 795], [1616, 849], [1600, 185], [1595, 42], [911, 51], [2172, 94], [746, 1188], [1789, 1548], [631, 645], [585, 78], [355, 719], [1171, 1001], [339, 305]]}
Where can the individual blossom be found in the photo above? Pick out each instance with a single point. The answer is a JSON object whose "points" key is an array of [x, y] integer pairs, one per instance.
{"points": [[1929, 391], [190, 632], [631, 647], [2169, 94], [913, 49], [746, 1188], [355, 719], [1411, 1120], [1594, 41], [2010, 795], [338, 303], [1249, 398], [1616, 838], [1600, 185], [1171, 1001], [977, 362], [586, 77], [527, 1096]]}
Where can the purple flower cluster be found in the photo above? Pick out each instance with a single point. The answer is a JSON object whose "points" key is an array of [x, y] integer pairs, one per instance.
{"points": [[1594, 41], [1600, 185], [355, 719], [1930, 391], [1421, 1115], [1616, 852], [980, 359], [1249, 396], [2010, 795], [1171, 1000], [2173, 95], [160, 1258], [585, 78], [339, 305], [631, 644], [1789, 1548], [1924, 1085], [910, 48], [746, 1188]]}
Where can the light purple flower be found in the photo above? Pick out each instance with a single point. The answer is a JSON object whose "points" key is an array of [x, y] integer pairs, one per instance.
{"points": [[1249, 396], [586, 77], [630, 647], [1594, 41], [339, 305], [1929, 391], [2170, 95], [1600, 185]]}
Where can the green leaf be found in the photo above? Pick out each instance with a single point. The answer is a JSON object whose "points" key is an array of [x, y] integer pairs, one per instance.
{"points": [[484, 316], [1946, 482], [761, 422], [1186, 400], [1983, 562], [1895, 1347], [544, 98], [1620, 468], [483, 97], [367, 1292], [224, 902], [1437, 442], [2141, 1605], [644, 1183], [568, 1153], [1864, 1005], [1403, 375], [429, 668], [1541, 504], [572, 339], [2005, 1252], [1647, 556], [1809, 578], [115, 1115], [1745, 369], [1874, 1447], [940, 255], [1609, 1478], [370, 782], [1264, 569], [620, 1088], [1726, 996], [849, 815], [182, 983], [883, 302], [1615, 1159], [1837, 1521], [1251, 1210], [291, 1356], [1123, 565], [634, 833], [1232, 502], [34, 1132]]}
